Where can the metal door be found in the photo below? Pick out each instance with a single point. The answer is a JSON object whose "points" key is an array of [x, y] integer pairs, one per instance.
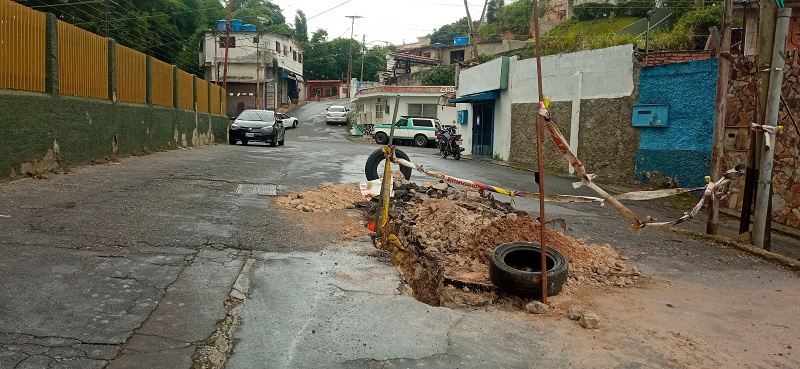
{"points": [[483, 129]]}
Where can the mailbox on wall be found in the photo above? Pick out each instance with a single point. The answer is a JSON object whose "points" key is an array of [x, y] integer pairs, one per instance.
{"points": [[462, 117], [650, 115]]}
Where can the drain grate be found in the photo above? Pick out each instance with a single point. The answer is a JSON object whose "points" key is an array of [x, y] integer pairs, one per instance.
{"points": [[252, 189]]}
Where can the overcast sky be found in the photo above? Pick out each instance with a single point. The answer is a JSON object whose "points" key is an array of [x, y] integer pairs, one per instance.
{"points": [[395, 21]]}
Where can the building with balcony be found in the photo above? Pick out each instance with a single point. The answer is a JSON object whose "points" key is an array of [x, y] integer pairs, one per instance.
{"points": [[265, 70]]}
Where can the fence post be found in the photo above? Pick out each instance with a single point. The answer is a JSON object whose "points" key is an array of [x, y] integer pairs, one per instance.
{"points": [[149, 83], [175, 90], [112, 70], [51, 54], [194, 90]]}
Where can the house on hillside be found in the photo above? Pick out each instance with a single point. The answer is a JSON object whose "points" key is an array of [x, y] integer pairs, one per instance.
{"points": [[265, 70], [374, 105]]}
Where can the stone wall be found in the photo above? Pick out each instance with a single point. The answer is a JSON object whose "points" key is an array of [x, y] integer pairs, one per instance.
{"points": [[742, 107], [414, 79]]}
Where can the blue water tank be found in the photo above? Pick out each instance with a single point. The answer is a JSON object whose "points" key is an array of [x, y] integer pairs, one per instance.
{"points": [[236, 25], [221, 24], [249, 27], [460, 40]]}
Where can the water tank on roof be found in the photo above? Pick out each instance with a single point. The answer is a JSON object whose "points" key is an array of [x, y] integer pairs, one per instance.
{"points": [[460, 40], [221, 24], [236, 25], [249, 27]]}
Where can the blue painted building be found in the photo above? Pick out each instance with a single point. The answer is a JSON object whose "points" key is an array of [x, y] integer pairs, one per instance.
{"points": [[680, 147]]}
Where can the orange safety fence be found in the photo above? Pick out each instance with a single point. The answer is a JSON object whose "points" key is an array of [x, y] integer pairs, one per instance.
{"points": [[202, 95], [215, 98], [185, 90], [163, 83], [82, 62], [131, 67], [22, 39]]}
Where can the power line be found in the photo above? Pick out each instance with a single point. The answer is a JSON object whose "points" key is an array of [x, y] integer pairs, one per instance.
{"points": [[316, 15]]}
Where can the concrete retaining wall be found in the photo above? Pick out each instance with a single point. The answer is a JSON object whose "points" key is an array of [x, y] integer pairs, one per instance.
{"points": [[43, 132]]}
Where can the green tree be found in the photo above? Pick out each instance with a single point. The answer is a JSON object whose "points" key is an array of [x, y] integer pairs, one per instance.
{"points": [[514, 18], [441, 76], [492, 8], [319, 36], [301, 26], [446, 33]]}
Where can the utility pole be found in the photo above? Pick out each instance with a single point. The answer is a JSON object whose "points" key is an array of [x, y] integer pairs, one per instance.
{"points": [[227, 43], [766, 34], [363, 53], [473, 31], [718, 140], [763, 210], [350, 53]]}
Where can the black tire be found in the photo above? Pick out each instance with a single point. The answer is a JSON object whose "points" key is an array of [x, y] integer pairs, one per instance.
{"points": [[420, 140], [381, 138], [457, 154], [294, 125], [522, 283], [376, 158], [244, 142], [231, 140], [443, 153]]}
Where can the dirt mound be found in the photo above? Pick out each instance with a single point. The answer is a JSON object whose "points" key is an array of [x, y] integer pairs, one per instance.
{"points": [[451, 234], [322, 199]]}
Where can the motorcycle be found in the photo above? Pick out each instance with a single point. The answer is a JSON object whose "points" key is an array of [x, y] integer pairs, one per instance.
{"points": [[448, 142]]}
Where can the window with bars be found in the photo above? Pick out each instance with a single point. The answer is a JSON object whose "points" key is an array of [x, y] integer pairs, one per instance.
{"points": [[222, 41], [423, 110], [378, 109]]}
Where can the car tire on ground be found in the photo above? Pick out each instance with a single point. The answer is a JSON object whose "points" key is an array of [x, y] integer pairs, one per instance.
{"points": [[374, 163], [381, 138], [508, 257], [420, 140], [244, 142], [231, 140], [294, 125]]}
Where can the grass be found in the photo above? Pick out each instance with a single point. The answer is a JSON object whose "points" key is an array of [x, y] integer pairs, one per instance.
{"points": [[583, 35]]}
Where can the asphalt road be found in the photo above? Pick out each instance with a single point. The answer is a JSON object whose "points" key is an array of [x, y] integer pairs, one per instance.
{"points": [[130, 265]]}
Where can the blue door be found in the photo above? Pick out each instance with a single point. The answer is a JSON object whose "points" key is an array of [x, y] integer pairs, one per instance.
{"points": [[483, 128]]}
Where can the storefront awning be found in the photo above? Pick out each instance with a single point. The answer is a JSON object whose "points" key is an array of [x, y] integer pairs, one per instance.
{"points": [[488, 95], [285, 76]]}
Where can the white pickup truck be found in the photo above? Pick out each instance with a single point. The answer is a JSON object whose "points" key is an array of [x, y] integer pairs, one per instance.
{"points": [[421, 130]]}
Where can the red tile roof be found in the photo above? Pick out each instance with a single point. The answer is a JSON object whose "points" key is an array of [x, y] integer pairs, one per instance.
{"points": [[413, 56], [407, 89]]}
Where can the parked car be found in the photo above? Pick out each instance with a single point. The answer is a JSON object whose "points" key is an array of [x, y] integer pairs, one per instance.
{"points": [[336, 114], [421, 130], [257, 125], [288, 122]]}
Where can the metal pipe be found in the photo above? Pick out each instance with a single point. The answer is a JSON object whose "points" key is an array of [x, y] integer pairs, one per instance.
{"points": [[227, 43], [764, 185], [539, 142]]}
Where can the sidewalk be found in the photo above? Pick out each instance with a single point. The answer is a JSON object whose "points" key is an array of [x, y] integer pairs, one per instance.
{"points": [[785, 240]]}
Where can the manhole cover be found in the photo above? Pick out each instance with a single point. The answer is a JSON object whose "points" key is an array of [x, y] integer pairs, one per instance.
{"points": [[251, 189]]}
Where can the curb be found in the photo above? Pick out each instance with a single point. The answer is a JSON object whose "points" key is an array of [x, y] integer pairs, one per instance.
{"points": [[755, 251]]}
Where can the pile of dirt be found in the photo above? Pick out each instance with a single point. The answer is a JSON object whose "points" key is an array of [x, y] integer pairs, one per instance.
{"points": [[451, 233], [323, 199], [328, 209], [459, 228]]}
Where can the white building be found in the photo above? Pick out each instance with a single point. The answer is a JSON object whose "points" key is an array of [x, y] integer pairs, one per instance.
{"points": [[375, 105], [265, 70]]}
